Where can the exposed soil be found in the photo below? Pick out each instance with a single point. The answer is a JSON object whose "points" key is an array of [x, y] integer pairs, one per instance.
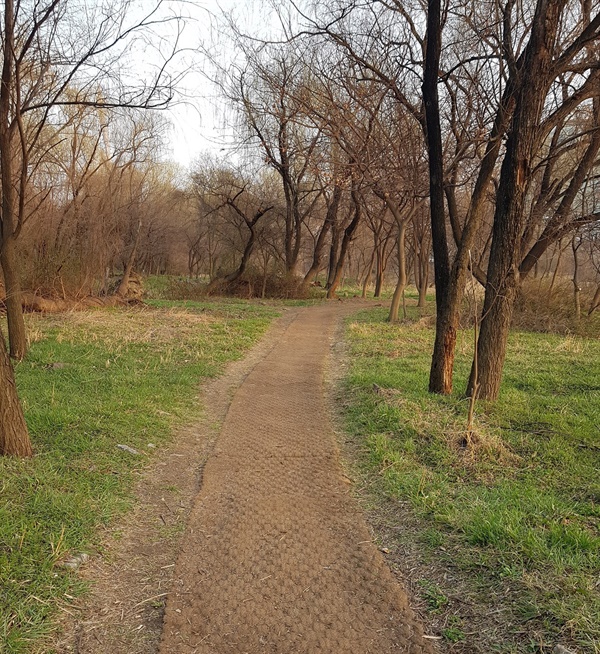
{"points": [[276, 556], [132, 572]]}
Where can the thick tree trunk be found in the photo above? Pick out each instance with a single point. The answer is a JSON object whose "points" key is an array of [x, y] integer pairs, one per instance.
{"points": [[401, 284], [8, 227], [293, 226], [17, 334], [442, 360], [493, 339], [14, 437], [503, 276]]}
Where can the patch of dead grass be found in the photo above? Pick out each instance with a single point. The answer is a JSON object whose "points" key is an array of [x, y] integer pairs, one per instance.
{"points": [[121, 327]]}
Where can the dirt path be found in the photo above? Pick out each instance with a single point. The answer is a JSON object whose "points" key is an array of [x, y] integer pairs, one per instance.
{"points": [[277, 558]]}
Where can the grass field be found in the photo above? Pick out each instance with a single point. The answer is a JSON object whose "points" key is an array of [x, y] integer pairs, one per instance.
{"points": [[91, 381], [514, 511]]}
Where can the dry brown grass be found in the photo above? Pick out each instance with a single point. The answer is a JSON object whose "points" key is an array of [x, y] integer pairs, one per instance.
{"points": [[541, 309], [118, 328]]}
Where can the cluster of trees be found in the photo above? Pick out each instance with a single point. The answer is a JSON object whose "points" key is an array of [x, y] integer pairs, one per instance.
{"points": [[433, 140], [487, 113], [76, 154]]}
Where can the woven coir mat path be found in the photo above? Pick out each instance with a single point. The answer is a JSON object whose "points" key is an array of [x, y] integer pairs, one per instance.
{"points": [[277, 558]]}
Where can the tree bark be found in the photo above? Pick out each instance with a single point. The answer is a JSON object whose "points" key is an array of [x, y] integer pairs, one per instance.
{"points": [[124, 284], [348, 234], [401, 284], [8, 256], [368, 274], [503, 276], [595, 303], [14, 437], [423, 282], [330, 220], [17, 334], [442, 360], [575, 279], [333, 255], [379, 269]]}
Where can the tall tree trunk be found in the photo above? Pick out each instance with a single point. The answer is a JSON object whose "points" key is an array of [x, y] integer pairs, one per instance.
{"points": [[289, 225], [556, 269], [401, 284], [14, 437], [293, 225], [503, 276], [442, 360], [8, 256]]}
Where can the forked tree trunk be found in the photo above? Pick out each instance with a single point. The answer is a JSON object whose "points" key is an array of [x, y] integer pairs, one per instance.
{"points": [[330, 220], [503, 277], [14, 437], [348, 235]]}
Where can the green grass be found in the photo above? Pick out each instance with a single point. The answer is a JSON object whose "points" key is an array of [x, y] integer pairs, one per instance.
{"points": [[519, 504], [93, 380]]}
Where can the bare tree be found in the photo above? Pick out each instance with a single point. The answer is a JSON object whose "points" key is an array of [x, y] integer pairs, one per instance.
{"points": [[556, 47], [49, 49]]}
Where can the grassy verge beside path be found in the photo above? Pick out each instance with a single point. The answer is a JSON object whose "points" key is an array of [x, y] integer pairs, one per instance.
{"points": [[94, 380], [514, 510]]}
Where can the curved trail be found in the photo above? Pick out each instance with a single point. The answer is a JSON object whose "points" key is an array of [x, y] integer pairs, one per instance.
{"points": [[277, 558]]}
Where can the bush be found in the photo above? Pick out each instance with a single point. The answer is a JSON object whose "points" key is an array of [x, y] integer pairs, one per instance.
{"points": [[253, 284]]}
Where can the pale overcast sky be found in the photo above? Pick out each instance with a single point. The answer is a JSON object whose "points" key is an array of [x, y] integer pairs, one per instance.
{"points": [[198, 123]]}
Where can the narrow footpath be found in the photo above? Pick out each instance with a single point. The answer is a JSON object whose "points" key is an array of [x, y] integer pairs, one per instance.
{"points": [[277, 557]]}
